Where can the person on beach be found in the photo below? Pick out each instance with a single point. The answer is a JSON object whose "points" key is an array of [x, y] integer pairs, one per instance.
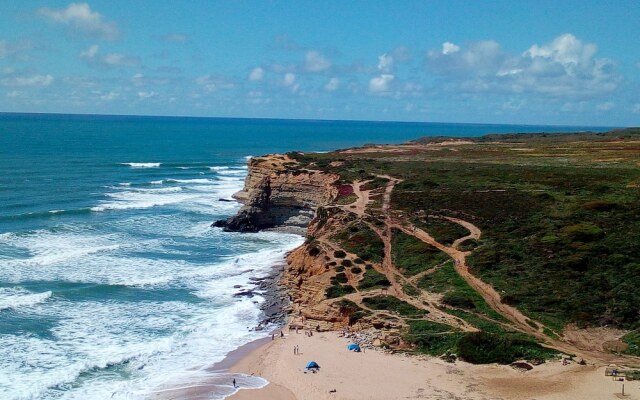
{"points": [[282, 334], [234, 382]]}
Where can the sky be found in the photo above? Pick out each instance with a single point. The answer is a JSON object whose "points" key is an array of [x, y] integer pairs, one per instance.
{"points": [[523, 62]]}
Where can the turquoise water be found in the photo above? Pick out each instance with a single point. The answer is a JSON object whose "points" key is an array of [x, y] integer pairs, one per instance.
{"points": [[112, 283]]}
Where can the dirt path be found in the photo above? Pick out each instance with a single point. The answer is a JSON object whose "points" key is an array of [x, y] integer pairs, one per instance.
{"points": [[474, 231], [429, 302], [360, 206], [488, 293]]}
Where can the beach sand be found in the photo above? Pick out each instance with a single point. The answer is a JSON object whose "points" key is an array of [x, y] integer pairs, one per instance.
{"points": [[379, 375]]}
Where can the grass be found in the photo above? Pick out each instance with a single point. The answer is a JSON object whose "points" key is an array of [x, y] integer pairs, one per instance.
{"points": [[633, 340], [391, 303], [431, 337], [457, 292], [373, 279], [443, 230], [362, 241], [485, 348], [412, 256], [336, 290]]}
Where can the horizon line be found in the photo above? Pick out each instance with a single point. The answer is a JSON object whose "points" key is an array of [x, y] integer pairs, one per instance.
{"points": [[304, 119]]}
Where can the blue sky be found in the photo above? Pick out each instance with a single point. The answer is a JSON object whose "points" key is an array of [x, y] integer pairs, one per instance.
{"points": [[525, 62]]}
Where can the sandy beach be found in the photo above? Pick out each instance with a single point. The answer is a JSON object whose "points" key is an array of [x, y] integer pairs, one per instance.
{"points": [[376, 375]]}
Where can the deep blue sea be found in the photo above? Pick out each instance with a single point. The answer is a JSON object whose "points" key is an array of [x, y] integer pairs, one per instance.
{"points": [[112, 283]]}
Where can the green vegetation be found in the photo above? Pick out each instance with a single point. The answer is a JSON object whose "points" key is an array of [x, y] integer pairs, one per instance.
{"points": [[355, 313], [457, 292], [633, 340], [373, 279], [493, 345], [410, 290], [485, 348], [443, 230], [344, 200], [375, 183], [560, 218], [412, 256], [431, 337], [391, 303], [362, 241], [337, 290]]}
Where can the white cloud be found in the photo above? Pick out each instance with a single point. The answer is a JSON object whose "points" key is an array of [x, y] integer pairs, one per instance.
{"points": [[256, 74], [80, 17], [146, 95], [110, 96], [109, 60], [315, 62], [289, 79], [636, 108], [211, 83], [565, 67], [565, 49], [606, 106], [381, 83], [332, 85], [17, 50], [385, 62], [30, 81], [449, 48]]}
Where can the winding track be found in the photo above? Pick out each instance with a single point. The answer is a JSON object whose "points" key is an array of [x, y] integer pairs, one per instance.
{"points": [[488, 293]]}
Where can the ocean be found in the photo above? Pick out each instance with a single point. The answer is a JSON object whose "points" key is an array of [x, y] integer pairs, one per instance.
{"points": [[113, 285]]}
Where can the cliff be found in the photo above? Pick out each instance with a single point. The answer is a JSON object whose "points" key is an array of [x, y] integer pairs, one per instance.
{"points": [[278, 195]]}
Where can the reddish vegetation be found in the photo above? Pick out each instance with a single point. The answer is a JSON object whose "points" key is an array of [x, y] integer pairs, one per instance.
{"points": [[345, 190]]}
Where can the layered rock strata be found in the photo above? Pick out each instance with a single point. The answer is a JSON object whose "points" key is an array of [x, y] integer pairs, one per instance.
{"points": [[277, 196]]}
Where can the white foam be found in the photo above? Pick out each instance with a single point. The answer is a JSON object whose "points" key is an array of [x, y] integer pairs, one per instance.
{"points": [[95, 335], [160, 182], [190, 180], [124, 184], [142, 165], [56, 211], [14, 298], [222, 168], [234, 172]]}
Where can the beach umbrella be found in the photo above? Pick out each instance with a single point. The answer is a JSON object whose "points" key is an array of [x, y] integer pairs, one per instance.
{"points": [[353, 347], [312, 364]]}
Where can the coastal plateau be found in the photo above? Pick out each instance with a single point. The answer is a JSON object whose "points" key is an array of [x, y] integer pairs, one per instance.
{"points": [[499, 249]]}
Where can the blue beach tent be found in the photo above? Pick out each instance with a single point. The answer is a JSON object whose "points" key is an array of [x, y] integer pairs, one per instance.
{"points": [[353, 347], [312, 364]]}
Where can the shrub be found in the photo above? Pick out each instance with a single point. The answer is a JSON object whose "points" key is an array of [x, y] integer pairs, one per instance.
{"points": [[338, 291], [373, 279], [458, 299], [339, 254], [391, 303], [583, 232]]}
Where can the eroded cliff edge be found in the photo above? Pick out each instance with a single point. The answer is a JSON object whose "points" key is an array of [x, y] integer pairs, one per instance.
{"points": [[278, 196]]}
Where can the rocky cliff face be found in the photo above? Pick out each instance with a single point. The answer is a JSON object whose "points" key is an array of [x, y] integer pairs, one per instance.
{"points": [[277, 195]]}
